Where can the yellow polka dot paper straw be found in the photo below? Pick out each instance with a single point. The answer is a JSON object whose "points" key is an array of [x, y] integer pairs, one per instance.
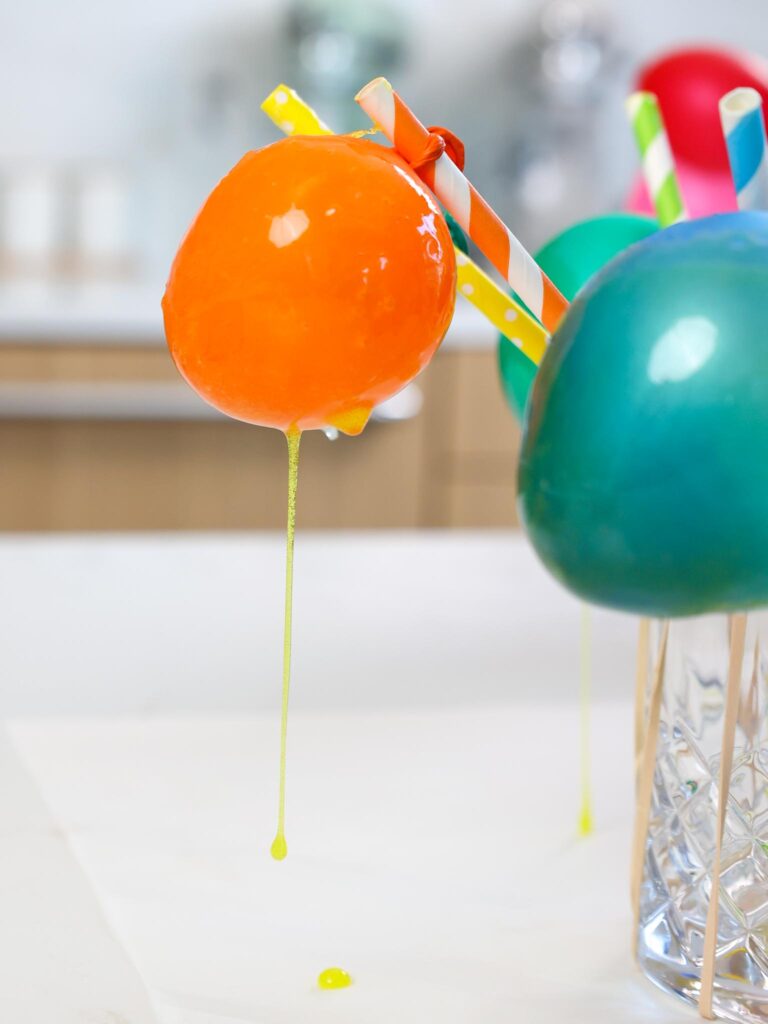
{"points": [[504, 313], [293, 116]]}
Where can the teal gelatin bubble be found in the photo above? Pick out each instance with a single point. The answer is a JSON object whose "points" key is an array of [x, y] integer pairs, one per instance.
{"points": [[643, 478], [570, 259]]}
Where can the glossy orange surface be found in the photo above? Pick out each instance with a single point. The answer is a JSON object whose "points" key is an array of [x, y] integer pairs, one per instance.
{"points": [[318, 279]]}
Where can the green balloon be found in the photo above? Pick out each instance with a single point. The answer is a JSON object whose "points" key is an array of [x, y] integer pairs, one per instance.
{"points": [[458, 237], [570, 259], [643, 480]]}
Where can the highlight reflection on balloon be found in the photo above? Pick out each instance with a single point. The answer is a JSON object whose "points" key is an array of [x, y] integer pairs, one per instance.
{"points": [[643, 480]]}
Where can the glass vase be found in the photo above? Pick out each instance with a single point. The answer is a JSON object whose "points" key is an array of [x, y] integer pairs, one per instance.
{"points": [[679, 843]]}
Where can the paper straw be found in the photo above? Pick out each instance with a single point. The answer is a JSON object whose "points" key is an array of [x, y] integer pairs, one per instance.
{"points": [[291, 114], [410, 138], [295, 117], [658, 163], [506, 315], [741, 115]]}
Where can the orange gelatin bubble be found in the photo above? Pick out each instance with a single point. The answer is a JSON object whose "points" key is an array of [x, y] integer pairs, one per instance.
{"points": [[317, 280]]}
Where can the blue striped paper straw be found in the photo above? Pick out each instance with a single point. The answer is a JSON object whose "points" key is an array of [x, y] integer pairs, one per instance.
{"points": [[741, 115]]}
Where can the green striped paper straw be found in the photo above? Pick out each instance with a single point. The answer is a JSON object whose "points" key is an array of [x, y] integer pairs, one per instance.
{"points": [[658, 164]]}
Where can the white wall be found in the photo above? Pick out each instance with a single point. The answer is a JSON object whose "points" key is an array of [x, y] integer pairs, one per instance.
{"points": [[77, 76], [85, 81]]}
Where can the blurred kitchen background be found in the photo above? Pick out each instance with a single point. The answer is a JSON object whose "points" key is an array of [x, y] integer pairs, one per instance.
{"points": [[115, 121]]}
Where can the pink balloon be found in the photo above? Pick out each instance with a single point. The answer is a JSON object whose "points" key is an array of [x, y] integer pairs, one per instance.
{"points": [[689, 83], [704, 192]]}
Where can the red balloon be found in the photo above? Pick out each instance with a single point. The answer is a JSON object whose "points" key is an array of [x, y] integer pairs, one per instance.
{"points": [[689, 83]]}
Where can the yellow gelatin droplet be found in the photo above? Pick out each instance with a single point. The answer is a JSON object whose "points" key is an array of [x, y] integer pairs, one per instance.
{"points": [[352, 421], [279, 848], [334, 977], [586, 827]]}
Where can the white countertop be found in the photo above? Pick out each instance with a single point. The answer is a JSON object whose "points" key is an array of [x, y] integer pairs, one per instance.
{"points": [[95, 313], [432, 794], [167, 622], [104, 314]]}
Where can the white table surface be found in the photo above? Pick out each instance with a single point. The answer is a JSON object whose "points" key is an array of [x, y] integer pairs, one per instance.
{"points": [[59, 959], [167, 622], [432, 778], [432, 854]]}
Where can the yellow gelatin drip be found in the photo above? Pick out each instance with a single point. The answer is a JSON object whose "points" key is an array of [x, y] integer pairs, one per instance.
{"points": [[334, 977], [279, 848], [352, 421], [586, 823]]}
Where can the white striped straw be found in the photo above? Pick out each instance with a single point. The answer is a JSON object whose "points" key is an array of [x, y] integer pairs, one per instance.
{"points": [[741, 115]]}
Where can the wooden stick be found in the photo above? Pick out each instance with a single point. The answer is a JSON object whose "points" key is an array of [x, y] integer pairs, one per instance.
{"points": [[645, 781], [641, 685], [732, 693]]}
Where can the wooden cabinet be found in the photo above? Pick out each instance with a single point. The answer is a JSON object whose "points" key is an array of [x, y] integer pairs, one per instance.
{"points": [[137, 467]]}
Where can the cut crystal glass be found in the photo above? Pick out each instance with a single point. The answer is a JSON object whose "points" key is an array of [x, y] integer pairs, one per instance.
{"points": [[680, 840]]}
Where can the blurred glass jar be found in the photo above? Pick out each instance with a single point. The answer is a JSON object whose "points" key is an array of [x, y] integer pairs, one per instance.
{"points": [[61, 222], [30, 220], [101, 223]]}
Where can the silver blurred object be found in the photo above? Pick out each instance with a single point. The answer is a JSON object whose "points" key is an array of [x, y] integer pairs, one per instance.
{"points": [[335, 45], [565, 80], [575, 51]]}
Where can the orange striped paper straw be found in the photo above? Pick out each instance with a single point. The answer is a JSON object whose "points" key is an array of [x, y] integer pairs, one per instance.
{"points": [[486, 229], [292, 115]]}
